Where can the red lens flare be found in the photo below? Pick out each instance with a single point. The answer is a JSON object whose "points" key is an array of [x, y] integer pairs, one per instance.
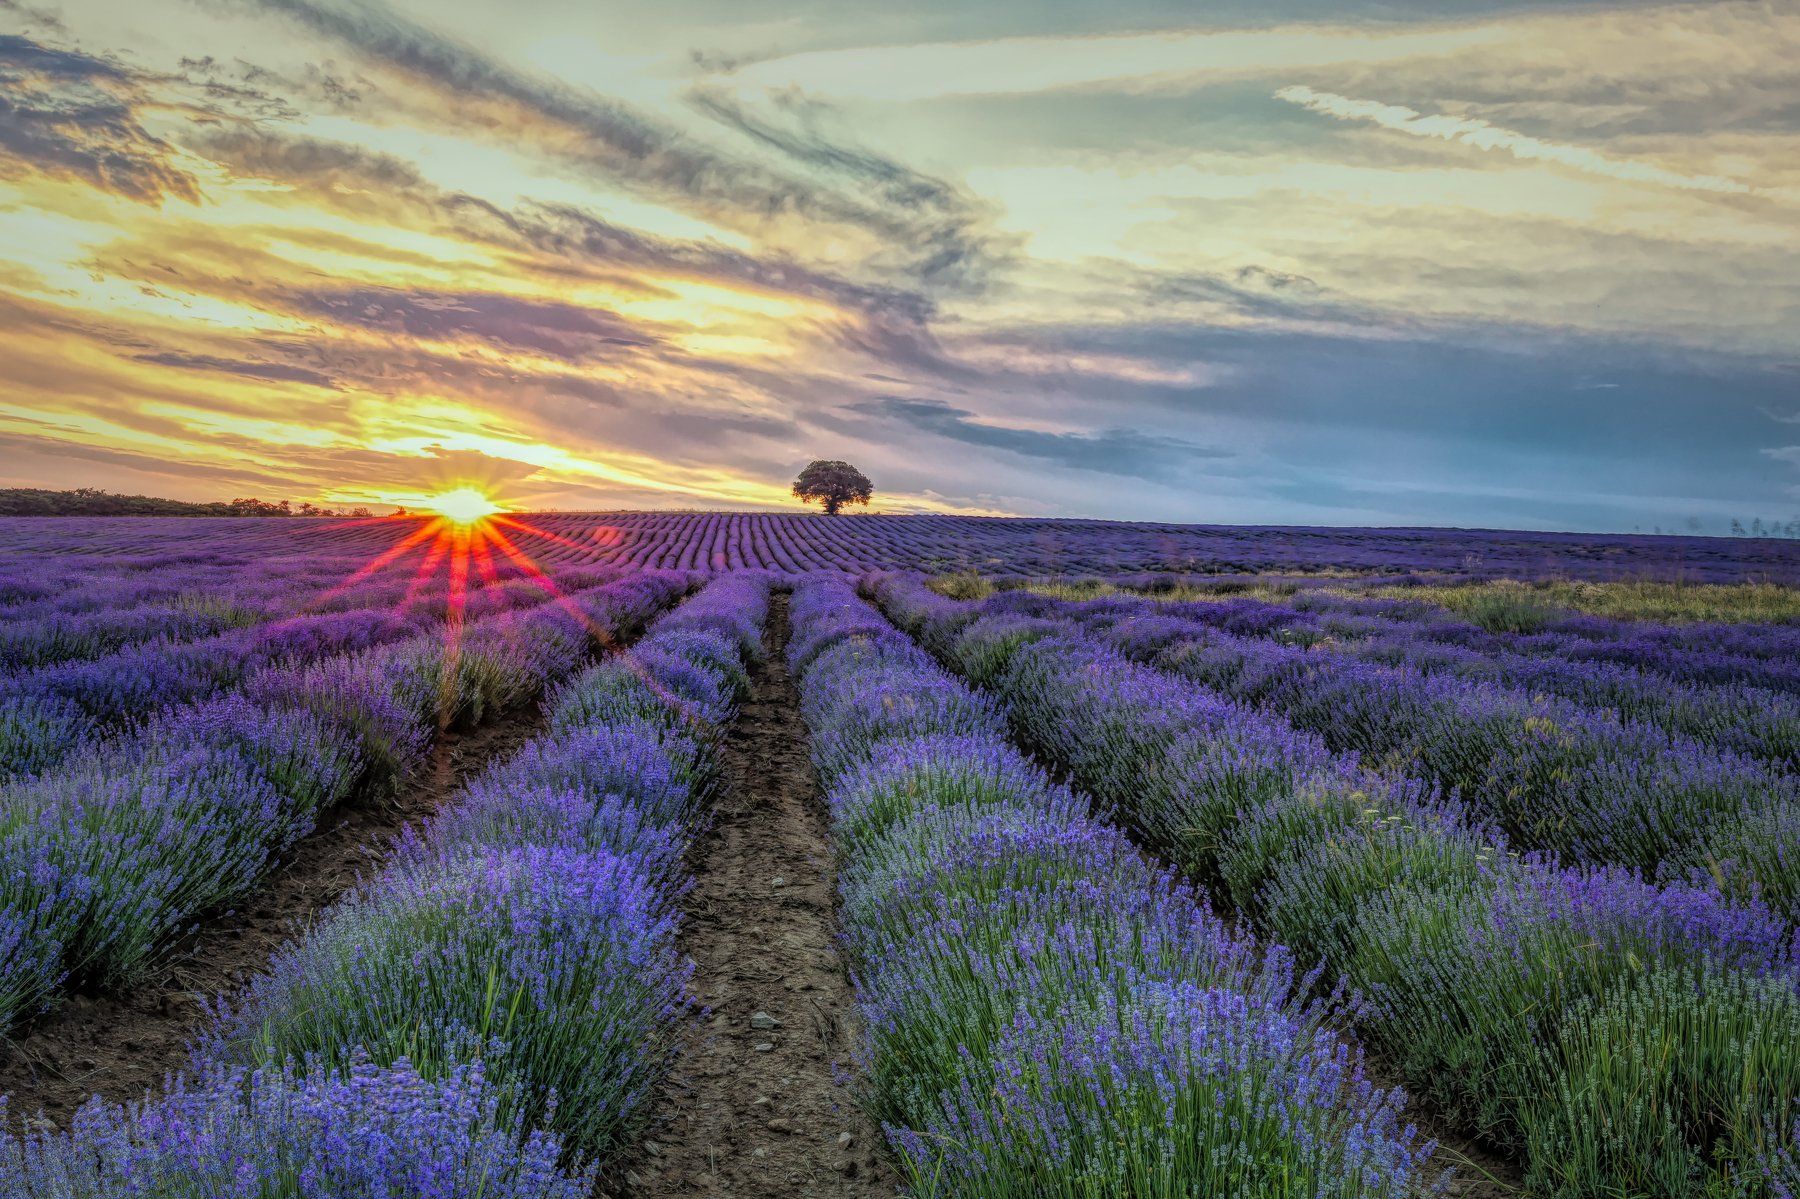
{"points": [[448, 558]]}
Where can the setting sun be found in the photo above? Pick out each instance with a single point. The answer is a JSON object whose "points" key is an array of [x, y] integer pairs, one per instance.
{"points": [[464, 505]]}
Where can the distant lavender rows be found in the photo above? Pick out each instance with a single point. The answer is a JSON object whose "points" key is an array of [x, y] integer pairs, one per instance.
{"points": [[490, 1014], [1598, 764], [801, 544], [107, 857], [1698, 651], [1628, 1039], [59, 610], [1733, 685], [51, 711]]}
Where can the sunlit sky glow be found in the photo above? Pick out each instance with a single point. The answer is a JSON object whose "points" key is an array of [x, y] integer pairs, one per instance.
{"points": [[1408, 262], [462, 505]]}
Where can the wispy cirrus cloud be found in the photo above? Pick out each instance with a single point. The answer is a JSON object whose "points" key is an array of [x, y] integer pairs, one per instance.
{"points": [[1475, 132], [546, 237], [964, 251], [937, 242]]}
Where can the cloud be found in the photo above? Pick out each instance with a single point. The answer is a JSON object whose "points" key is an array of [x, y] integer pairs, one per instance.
{"points": [[566, 230], [1164, 58], [621, 144], [69, 115], [1249, 291], [33, 17], [1709, 72], [565, 331], [1279, 281], [438, 467], [275, 372], [549, 244], [627, 144], [962, 251], [558, 237], [1129, 452], [1475, 132], [331, 166]]}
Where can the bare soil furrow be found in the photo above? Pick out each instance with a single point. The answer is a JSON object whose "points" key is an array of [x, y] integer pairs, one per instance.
{"points": [[761, 1106]]}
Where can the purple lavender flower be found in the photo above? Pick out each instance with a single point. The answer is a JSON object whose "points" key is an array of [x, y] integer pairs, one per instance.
{"points": [[1170, 1088], [944, 772], [565, 956], [1012, 954], [283, 1133]]}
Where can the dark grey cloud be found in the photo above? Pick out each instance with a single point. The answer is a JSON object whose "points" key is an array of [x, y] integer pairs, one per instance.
{"points": [[277, 372], [1115, 451], [559, 330], [71, 115], [1249, 290], [266, 153], [239, 88]]}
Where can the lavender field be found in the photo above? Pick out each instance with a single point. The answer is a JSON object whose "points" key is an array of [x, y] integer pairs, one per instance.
{"points": [[805, 544], [713, 854]]}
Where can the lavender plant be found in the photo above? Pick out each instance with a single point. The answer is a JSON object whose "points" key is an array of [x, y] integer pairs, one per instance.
{"points": [[284, 1133], [1046, 1012], [1582, 782], [1501, 984], [532, 923], [565, 957], [108, 857]]}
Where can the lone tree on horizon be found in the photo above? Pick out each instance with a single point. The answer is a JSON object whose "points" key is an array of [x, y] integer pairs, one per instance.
{"points": [[833, 484]]}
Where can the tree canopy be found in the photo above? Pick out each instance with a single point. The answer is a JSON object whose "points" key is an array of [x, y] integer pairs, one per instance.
{"points": [[833, 484]]}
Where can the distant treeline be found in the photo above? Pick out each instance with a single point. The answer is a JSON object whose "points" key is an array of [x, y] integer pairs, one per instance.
{"points": [[92, 501], [1761, 528]]}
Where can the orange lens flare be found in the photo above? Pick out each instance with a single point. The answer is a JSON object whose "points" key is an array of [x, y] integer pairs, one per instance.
{"points": [[469, 545], [463, 505]]}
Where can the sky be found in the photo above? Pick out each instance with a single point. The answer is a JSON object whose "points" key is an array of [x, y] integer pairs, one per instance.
{"points": [[1417, 262]]}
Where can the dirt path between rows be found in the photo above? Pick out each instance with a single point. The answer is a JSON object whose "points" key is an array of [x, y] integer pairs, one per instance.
{"points": [[123, 1045], [761, 1110]]}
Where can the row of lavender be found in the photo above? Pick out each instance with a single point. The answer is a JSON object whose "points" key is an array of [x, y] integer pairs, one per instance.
{"points": [[1047, 1012], [1539, 627], [1631, 658], [1631, 1041], [106, 859], [488, 1016], [1757, 722], [1657, 780], [1693, 680], [50, 711], [1761, 656]]}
